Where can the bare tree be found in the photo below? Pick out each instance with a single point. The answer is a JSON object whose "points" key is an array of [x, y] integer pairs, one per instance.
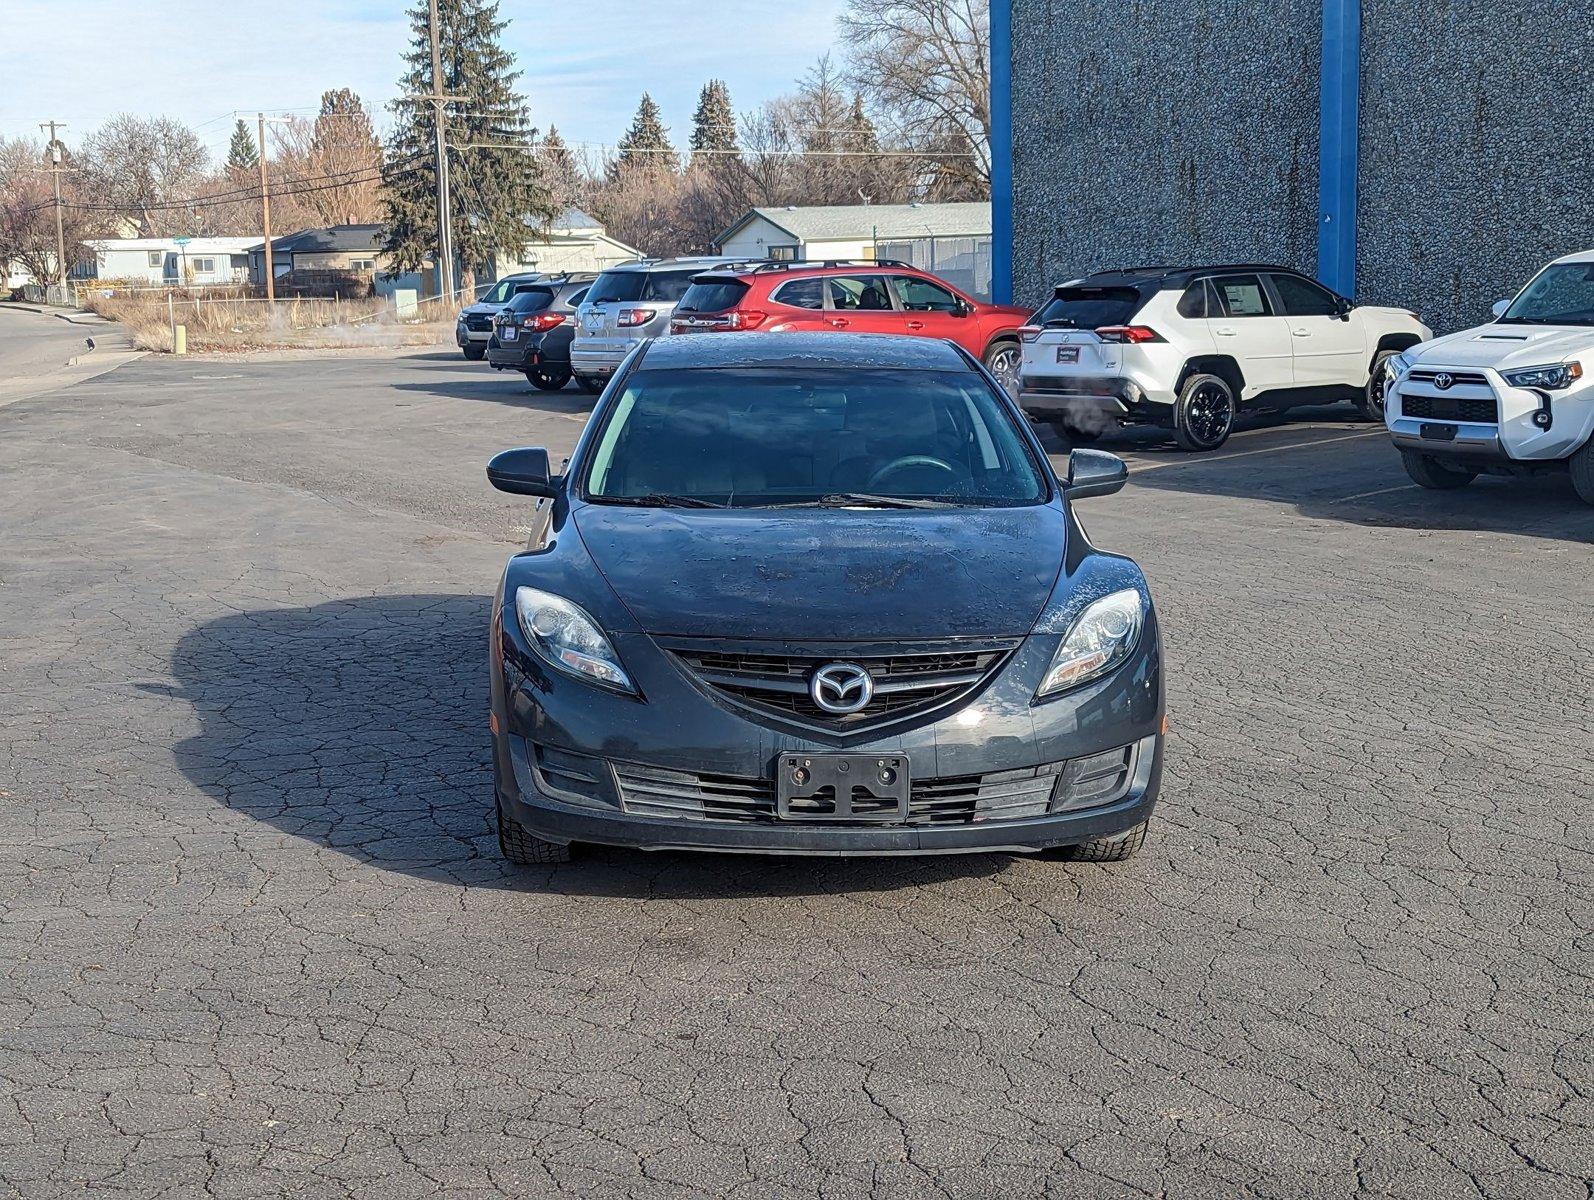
{"points": [[926, 66], [330, 168], [139, 165], [27, 211]]}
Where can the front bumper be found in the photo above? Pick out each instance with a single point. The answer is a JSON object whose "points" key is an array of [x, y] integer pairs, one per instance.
{"points": [[1454, 422], [465, 336]]}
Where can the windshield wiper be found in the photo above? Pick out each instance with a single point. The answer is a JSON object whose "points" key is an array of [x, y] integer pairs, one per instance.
{"points": [[660, 500], [868, 500]]}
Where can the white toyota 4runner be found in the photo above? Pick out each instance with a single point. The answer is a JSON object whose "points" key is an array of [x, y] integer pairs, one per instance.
{"points": [[1190, 348], [1512, 398]]}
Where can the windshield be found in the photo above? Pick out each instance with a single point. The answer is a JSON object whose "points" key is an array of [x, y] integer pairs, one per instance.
{"points": [[1561, 294], [1089, 307], [501, 291], [750, 437]]}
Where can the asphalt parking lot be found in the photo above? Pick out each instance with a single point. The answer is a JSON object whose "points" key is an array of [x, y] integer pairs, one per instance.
{"points": [[255, 938]]}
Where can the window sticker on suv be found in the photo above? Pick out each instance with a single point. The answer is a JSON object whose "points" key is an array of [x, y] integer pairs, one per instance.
{"points": [[1242, 296]]}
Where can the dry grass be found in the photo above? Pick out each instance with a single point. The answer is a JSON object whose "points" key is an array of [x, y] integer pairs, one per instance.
{"points": [[239, 322]]}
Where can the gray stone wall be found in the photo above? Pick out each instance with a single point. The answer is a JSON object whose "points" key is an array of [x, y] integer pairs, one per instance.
{"points": [[1186, 131]]}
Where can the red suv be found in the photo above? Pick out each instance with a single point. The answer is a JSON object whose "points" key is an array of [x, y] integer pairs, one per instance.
{"points": [[857, 297]]}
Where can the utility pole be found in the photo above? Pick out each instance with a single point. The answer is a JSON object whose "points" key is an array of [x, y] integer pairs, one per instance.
{"points": [[445, 236], [54, 150], [265, 214]]}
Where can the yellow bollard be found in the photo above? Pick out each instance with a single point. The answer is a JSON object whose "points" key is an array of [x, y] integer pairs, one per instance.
{"points": [[180, 340]]}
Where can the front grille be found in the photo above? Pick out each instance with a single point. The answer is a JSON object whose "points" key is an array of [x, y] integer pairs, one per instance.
{"points": [[904, 683], [1459, 378], [1069, 786], [479, 324], [1450, 408]]}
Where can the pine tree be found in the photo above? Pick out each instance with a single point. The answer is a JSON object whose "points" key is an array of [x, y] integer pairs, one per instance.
{"points": [[497, 197], [714, 122], [561, 177], [242, 154], [647, 143]]}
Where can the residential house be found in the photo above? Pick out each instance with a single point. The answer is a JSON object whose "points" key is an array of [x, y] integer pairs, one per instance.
{"points": [[573, 241], [165, 261], [950, 240]]}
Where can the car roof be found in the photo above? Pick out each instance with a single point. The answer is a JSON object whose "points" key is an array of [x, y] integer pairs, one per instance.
{"points": [[703, 261], [821, 350], [1581, 256], [802, 269], [1169, 276]]}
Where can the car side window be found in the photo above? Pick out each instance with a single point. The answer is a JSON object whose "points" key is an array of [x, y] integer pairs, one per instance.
{"points": [[858, 293], [1303, 298], [920, 295], [1241, 296], [801, 293], [1196, 303], [574, 299]]}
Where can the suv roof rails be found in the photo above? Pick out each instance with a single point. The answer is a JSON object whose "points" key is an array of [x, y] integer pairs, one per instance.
{"points": [[760, 265], [1188, 269]]}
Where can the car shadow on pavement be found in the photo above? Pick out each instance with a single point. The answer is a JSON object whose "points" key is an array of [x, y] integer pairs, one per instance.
{"points": [[505, 387], [360, 726]]}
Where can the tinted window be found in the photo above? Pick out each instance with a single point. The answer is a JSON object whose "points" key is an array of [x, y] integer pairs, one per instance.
{"points": [[866, 293], [668, 286], [1193, 303], [576, 298], [1303, 298], [502, 291], [1241, 296], [617, 285], [920, 295], [531, 300], [712, 296], [1089, 307], [1561, 294], [801, 293], [754, 436]]}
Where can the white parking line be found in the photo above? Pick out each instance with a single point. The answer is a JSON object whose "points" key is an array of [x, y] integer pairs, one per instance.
{"points": [[1191, 462], [1408, 487]]}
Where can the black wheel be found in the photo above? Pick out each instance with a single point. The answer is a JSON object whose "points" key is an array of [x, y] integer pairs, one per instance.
{"points": [[1582, 468], [1109, 849], [589, 385], [1371, 402], [525, 849], [474, 351], [1002, 359], [1073, 433], [547, 381], [1430, 473], [1203, 415]]}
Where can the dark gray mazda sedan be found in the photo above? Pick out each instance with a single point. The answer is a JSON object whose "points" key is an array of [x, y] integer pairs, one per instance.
{"points": [[818, 594]]}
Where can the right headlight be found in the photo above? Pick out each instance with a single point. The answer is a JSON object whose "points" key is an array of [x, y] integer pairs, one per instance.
{"points": [[1398, 364], [564, 636], [1553, 378], [1100, 638]]}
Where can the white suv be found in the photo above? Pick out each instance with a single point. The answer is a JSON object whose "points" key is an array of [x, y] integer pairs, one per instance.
{"points": [[1192, 347], [1512, 398]]}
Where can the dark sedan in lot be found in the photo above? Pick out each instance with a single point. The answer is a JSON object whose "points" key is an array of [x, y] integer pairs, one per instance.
{"points": [[819, 594], [532, 333]]}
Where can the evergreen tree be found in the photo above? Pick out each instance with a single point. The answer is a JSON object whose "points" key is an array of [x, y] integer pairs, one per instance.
{"points": [[714, 122], [560, 174], [647, 143], [242, 154], [497, 198]]}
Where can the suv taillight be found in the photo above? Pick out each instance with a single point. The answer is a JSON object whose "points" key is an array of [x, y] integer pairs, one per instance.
{"points": [[1028, 333], [630, 318], [1128, 333], [540, 322]]}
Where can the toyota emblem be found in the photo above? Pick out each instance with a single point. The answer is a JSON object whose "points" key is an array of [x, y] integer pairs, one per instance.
{"points": [[1443, 381], [841, 688]]}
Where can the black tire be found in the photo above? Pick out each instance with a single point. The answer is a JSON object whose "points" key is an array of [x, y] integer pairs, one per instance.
{"points": [[547, 381], [1002, 359], [526, 849], [1430, 473], [1371, 402], [1074, 434], [474, 351], [1581, 466], [1204, 413], [1109, 849], [589, 385]]}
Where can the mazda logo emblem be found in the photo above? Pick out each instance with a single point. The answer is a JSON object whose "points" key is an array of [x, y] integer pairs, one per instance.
{"points": [[841, 688], [1443, 380]]}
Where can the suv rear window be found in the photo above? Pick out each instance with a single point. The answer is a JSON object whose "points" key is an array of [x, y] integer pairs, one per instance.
{"points": [[712, 295], [1090, 307], [531, 300], [666, 286]]}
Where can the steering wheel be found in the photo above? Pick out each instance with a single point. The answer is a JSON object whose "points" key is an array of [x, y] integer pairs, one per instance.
{"points": [[911, 460]]}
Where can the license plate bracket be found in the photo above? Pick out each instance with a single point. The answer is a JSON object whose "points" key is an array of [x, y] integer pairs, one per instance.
{"points": [[1436, 432], [1068, 354], [842, 787], [508, 333]]}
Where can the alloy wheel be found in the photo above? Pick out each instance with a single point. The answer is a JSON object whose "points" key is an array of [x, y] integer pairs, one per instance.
{"points": [[1004, 363], [1209, 414]]}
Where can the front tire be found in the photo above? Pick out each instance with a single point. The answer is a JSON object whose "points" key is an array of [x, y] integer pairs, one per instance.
{"points": [[1203, 415], [1581, 466], [524, 848], [1003, 359], [589, 385], [474, 351], [547, 381], [1430, 473], [1371, 402], [1109, 849]]}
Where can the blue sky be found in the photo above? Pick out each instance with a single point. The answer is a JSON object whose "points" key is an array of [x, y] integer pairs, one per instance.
{"points": [[585, 63]]}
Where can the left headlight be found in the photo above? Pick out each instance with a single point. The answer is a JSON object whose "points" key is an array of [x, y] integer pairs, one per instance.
{"points": [[1552, 379], [1100, 638], [568, 639], [1397, 365]]}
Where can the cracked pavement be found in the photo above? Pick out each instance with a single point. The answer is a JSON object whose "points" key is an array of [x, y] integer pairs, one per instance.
{"points": [[255, 939]]}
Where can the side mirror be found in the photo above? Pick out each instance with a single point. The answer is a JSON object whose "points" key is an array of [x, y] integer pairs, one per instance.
{"points": [[523, 472], [964, 308], [1499, 307], [1343, 308], [1094, 473]]}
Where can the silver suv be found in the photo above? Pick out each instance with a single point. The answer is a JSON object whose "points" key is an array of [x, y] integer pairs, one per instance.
{"points": [[629, 304]]}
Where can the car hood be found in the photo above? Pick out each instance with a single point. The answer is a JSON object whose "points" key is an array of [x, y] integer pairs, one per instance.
{"points": [[477, 310], [829, 574], [1506, 347]]}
